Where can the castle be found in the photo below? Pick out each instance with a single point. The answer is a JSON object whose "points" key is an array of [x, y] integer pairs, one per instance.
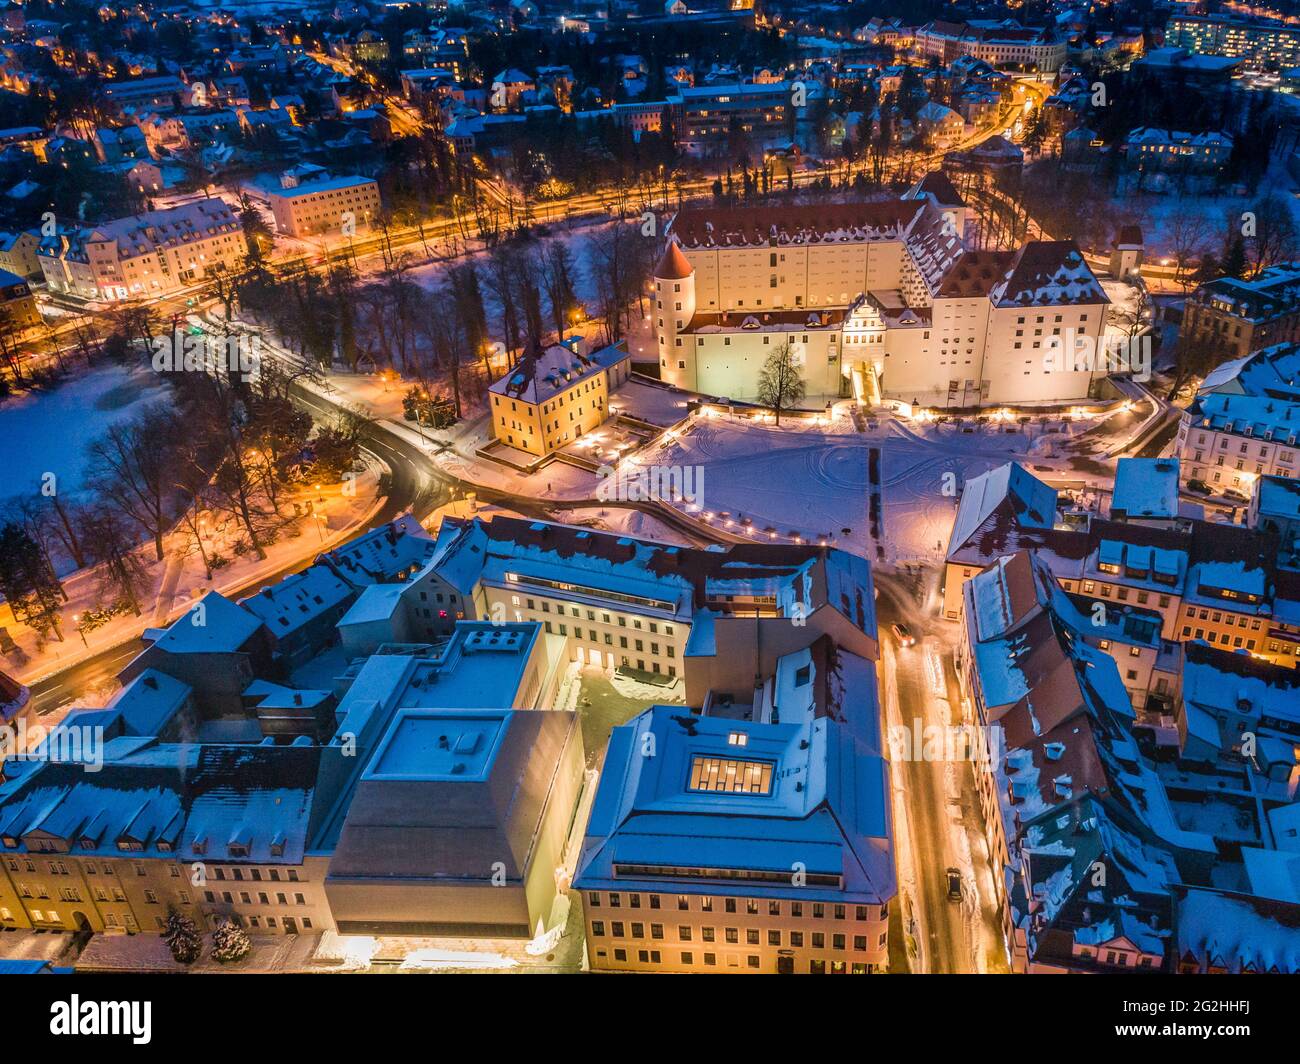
{"points": [[878, 300]]}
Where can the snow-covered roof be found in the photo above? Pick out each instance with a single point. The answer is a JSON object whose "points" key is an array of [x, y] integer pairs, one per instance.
{"points": [[448, 794], [788, 224], [1235, 932], [673, 581], [1146, 487], [383, 555], [214, 625], [1009, 487], [542, 375], [297, 600], [737, 804], [1049, 273]]}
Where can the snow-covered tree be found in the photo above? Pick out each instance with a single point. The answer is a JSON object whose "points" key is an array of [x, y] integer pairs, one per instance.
{"points": [[182, 937], [230, 943]]}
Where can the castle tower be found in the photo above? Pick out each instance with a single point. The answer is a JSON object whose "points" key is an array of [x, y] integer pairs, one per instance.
{"points": [[674, 280]]}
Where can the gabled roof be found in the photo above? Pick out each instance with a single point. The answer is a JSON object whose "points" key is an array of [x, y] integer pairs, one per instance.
{"points": [[1049, 273], [214, 625], [1010, 489], [699, 227], [297, 600]]}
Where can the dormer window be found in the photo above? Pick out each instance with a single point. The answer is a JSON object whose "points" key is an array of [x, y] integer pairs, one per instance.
{"points": [[238, 849]]}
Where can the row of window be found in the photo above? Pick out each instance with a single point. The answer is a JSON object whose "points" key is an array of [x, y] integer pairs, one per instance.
{"points": [[752, 961], [731, 936], [753, 906]]}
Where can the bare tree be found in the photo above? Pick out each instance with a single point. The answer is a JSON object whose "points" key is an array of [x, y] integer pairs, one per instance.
{"points": [[131, 472], [780, 384]]}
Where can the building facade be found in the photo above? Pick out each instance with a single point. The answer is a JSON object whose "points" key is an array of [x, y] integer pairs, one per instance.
{"points": [[874, 300], [151, 254]]}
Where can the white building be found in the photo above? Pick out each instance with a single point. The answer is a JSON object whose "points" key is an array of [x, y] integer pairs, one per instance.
{"points": [[345, 205], [148, 254], [877, 299], [1244, 422]]}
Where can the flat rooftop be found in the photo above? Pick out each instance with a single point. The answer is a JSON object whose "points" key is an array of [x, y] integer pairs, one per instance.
{"points": [[439, 745]]}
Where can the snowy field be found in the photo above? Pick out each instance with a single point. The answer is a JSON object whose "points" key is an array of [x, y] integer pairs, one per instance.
{"points": [[813, 480], [49, 431]]}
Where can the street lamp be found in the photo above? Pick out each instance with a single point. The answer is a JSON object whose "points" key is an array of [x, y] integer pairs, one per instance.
{"points": [[76, 619]]}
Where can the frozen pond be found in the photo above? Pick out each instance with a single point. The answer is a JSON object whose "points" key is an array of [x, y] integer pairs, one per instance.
{"points": [[49, 431]]}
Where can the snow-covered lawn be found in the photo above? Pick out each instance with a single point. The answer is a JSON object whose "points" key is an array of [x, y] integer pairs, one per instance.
{"points": [[813, 480], [49, 431]]}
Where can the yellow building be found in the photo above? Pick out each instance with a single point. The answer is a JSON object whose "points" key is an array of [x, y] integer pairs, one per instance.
{"points": [[555, 396]]}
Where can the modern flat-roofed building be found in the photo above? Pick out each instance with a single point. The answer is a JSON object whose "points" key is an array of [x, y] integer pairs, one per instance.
{"points": [[1261, 43], [457, 825], [1275, 506], [706, 117]]}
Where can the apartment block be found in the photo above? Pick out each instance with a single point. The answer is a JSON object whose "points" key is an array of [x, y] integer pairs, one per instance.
{"points": [[347, 205], [150, 254], [1260, 42]]}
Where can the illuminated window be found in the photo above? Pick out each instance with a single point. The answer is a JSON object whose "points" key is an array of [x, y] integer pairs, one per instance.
{"points": [[730, 775]]}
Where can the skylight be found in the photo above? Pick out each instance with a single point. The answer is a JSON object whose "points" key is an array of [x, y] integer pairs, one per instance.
{"points": [[730, 775]]}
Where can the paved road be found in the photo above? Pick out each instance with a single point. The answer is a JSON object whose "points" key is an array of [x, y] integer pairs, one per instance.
{"points": [[942, 809]]}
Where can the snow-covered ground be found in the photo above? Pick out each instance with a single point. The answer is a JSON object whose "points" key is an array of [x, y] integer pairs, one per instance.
{"points": [[49, 431], [812, 480], [1173, 219]]}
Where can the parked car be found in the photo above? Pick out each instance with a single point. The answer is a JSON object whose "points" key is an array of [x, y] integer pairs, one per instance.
{"points": [[954, 884], [1198, 486], [1236, 493], [903, 634]]}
